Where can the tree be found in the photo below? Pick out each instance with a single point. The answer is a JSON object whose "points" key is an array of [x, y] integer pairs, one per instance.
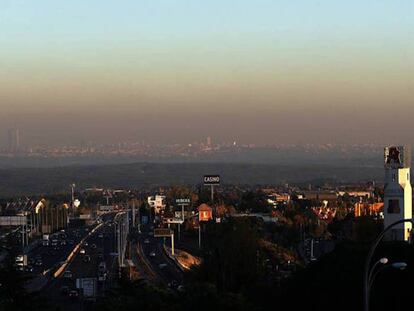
{"points": [[231, 255], [13, 296], [255, 202]]}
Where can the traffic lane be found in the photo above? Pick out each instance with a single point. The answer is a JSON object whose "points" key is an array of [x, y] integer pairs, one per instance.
{"points": [[97, 248], [54, 259], [49, 256], [171, 270], [58, 295], [167, 272], [161, 264], [57, 292]]}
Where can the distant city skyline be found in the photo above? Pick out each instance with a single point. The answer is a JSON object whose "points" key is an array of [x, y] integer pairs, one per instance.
{"points": [[68, 133], [168, 70]]}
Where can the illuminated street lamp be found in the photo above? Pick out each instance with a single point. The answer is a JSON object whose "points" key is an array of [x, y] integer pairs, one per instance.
{"points": [[368, 277], [383, 261]]}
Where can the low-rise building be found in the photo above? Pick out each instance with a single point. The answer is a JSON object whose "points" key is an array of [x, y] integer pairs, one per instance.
{"points": [[157, 202], [367, 209]]}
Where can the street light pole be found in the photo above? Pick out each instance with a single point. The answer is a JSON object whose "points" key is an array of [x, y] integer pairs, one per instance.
{"points": [[182, 218], [369, 258], [396, 265]]}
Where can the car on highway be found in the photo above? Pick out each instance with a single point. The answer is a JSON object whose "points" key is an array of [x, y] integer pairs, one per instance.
{"points": [[152, 254], [73, 294]]}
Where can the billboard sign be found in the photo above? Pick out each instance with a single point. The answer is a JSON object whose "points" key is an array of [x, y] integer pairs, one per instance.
{"points": [[162, 232], [205, 213], [211, 180], [205, 216], [175, 221], [397, 157], [182, 201], [13, 220]]}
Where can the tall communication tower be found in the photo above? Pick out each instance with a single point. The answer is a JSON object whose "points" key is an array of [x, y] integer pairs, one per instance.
{"points": [[397, 191]]}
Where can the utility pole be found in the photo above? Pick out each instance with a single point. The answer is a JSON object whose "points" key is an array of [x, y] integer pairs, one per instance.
{"points": [[57, 218], [182, 204], [133, 213], [199, 235], [312, 257], [72, 199], [172, 244]]}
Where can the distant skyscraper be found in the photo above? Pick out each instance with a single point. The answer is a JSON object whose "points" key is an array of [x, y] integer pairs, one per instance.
{"points": [[209, 143], [397, 191], [13, 140]]}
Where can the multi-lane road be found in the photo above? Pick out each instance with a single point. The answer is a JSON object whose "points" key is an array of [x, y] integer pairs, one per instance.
{"points": [[152, 253], [96, 247], [81, 252]]}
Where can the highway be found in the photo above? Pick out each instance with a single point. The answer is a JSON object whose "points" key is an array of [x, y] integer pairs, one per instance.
{"points": [[45, 258], [161, 265], [78, 252], [97, 247]]}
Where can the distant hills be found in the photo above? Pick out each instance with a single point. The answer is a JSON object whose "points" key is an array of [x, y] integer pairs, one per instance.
{"points": [[22, 181]]}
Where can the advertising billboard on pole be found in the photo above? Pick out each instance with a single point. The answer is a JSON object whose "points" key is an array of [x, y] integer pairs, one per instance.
{"points": [[211, 180]]}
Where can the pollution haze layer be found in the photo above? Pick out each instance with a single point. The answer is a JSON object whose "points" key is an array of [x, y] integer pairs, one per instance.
{"points": [[261, 72]]}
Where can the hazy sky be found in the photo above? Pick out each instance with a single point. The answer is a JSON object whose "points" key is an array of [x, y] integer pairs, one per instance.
{"points": [[256, 71]]}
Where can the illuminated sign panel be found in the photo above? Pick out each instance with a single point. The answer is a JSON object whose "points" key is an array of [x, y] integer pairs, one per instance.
{"points": [[205, 216], [211, 180], [182, 201], [205, 213]]}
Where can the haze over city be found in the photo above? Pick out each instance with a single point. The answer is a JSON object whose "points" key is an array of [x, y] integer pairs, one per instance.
{"points": [[181, 155], [261, 72]]}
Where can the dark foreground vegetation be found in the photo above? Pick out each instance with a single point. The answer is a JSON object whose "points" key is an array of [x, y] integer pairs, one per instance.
{"points": [[233, 277]]}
